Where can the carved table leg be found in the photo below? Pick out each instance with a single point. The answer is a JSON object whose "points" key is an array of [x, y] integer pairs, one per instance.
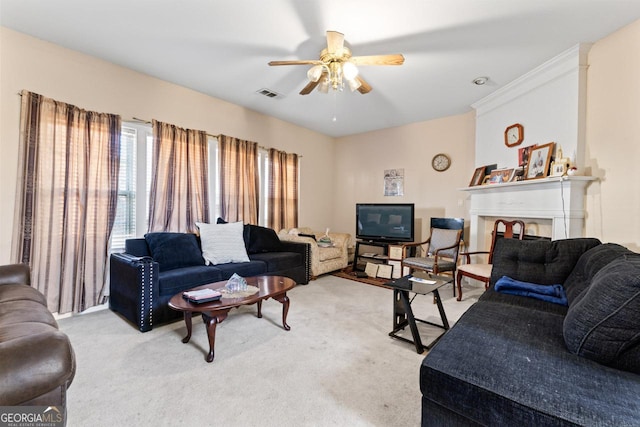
{"points": [[211, 320], [284, 299], [187, 321]]}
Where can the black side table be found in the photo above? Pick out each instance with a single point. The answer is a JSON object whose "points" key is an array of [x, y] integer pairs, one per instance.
{"points": [[403, 314]]}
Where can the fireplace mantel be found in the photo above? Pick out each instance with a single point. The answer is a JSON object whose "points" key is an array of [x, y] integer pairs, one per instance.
{"points": [[559, 200]]}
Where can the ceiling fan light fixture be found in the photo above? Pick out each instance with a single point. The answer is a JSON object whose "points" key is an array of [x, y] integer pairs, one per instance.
{"points": [[349, 70], [354, 84], [324, 85], [315, 72]]}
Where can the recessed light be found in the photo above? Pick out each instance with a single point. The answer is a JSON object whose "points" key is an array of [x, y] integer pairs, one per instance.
{"points": [[479, 81]]}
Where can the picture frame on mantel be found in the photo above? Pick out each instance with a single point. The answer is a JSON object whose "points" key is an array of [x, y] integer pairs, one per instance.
{"points": [[477, 177], [539, 161]]}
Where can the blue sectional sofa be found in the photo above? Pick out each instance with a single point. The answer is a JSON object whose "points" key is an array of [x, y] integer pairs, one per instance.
{"points": [[516, 360], [153, 269]]}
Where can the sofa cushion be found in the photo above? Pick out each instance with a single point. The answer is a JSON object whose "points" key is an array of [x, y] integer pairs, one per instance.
{"points": [[222, 243], [588, 265], [174, 250], [262, 239], [330, 253], [538, 261], [179, 279], [244, 269], [508, 365], [604, 323]]}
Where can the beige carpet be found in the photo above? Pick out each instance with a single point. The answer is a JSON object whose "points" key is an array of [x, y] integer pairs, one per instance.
{"points": [[336, 367]]}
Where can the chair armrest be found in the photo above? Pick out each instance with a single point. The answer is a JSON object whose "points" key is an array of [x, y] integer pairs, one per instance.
{"points": [[134, 288], [467, 255], [435, 254], [15, 274], [303, 249], [340, 240], [35, 364], [415, 244]]}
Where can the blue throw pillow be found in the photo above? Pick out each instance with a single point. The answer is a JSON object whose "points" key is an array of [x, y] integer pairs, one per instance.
{"points": [[174, 250], [604, 324]]}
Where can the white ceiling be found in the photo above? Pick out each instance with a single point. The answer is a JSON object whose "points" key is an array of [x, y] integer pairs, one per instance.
{"points": [[221, 47]]}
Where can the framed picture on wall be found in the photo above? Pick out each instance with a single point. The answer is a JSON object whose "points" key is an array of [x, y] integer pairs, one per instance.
{"points": [[539, 160]]}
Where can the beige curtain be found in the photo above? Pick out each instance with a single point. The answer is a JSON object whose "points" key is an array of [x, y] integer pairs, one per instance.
{"points": [[69, 163], [179, 191], [283, 190], [239, 180]]}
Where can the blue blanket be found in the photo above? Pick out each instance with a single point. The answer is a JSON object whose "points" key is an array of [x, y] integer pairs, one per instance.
{"points": [[550, 293]]}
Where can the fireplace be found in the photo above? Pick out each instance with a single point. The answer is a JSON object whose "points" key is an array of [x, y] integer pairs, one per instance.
{"points": [[551, 207]]}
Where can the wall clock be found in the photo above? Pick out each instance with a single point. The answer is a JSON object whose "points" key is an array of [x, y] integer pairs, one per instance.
{"points": [[513, 135], [441, 162]]}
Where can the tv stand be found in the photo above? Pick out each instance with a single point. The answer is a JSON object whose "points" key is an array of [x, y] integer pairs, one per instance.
{"points": [[370, 256]]}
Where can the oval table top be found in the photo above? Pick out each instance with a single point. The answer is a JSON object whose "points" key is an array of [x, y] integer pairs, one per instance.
{"points": [[268, 286]]}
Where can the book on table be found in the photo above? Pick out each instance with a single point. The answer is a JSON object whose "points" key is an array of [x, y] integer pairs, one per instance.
{"points": [[202, 295]]}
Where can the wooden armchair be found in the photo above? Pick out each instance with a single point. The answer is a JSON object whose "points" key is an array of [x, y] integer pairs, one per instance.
{"points": [[482, 272], [438, 254]]}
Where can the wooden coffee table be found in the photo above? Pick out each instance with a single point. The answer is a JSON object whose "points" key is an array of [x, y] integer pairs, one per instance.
{"points": [[215, 312]]}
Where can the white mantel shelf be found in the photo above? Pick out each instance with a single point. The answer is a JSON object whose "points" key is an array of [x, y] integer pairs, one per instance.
{"points": [[551, 181], [559, 200]]}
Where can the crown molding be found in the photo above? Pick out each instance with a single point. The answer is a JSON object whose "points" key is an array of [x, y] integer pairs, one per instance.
{"points": [[570, 61]]}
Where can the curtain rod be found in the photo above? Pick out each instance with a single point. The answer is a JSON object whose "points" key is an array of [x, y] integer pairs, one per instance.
{"points": [[135, 119]]}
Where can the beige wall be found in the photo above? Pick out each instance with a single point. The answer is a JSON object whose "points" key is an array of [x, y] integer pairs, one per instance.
{"points": [[613, 138], [329, 194], [360, 161], [92, 84]]}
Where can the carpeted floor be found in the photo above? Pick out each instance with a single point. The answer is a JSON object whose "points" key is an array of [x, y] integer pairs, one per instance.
{"points": [[336, 367]]}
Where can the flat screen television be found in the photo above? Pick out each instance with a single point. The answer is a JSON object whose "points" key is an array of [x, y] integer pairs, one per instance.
{"points": [[385, 222]]}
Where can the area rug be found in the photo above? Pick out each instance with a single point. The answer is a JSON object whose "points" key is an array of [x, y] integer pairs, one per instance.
{"points": [[347, 273]]}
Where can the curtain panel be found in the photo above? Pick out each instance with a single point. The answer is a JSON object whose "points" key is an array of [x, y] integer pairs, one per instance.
{"points": [[179, 194], [239, 180], [283, 190], [66, 202]]}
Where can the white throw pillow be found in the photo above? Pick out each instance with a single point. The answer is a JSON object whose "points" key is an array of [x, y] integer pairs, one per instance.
{"points": [[222, 243]]}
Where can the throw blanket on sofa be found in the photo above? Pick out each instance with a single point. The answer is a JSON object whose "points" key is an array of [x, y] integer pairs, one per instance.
{"points": [[550, 293]]}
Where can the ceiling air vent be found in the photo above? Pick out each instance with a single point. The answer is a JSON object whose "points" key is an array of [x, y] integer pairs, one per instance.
{"points": [[269, 93]]}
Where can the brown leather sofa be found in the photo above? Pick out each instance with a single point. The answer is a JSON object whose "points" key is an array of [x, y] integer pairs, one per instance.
{"points": [[37, 362]]}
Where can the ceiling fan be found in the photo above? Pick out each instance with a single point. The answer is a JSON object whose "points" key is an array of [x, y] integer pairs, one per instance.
{"points": [[337, 65]]}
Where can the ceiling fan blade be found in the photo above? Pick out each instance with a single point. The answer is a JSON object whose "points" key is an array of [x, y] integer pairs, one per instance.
{"points": [[312, 85], [301, 62], [364, 86], [394, 59], [309, 88], [335, 41]]}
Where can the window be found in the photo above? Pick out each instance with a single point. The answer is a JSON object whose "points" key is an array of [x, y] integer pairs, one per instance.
{"points": [[132, 211], [134, 180]]}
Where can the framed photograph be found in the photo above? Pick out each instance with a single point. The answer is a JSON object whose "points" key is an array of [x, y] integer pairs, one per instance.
{"points": [[523, 155], [558, 169], [498, 176], [371, 269], [478, 176], [539, 160], [385, 271]]}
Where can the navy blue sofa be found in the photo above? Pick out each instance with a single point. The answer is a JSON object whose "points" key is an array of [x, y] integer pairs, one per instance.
{"points": [[145, 277], [516, 360]]}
